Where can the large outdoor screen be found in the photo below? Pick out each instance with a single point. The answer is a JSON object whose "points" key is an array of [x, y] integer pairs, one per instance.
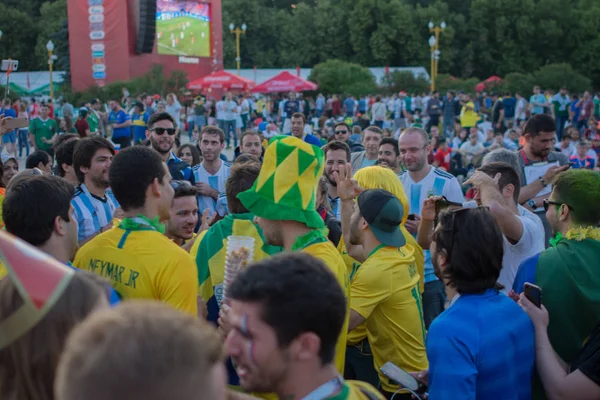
{"points": [[183, 28]]}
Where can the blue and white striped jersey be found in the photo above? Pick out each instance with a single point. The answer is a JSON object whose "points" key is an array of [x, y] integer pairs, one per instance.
{"points": [[216, 181], [92, 213]]}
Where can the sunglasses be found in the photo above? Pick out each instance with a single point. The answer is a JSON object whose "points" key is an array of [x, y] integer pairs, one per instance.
{"points": [[177, 184], [161, 131], [547, 203], [340, 132]]}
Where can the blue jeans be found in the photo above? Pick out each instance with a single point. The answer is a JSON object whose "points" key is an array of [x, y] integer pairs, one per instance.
{"points": [[190, 129], [434, 300], [226, 126], [560, 126], [23, 141]]}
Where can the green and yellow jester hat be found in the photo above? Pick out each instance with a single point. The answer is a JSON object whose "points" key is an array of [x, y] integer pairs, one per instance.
{"points": [[286, 188], [39, 279]]}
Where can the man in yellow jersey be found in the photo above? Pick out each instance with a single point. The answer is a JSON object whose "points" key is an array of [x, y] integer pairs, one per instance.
{"points": [[138, 260], [385, 290], [286, 315], [283, 201], [359, 357], [184, 213]]}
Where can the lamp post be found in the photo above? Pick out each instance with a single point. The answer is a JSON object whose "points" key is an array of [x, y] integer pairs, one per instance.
{"points": [[435, 52], [432, 43], [50, 48], [237, 32]]}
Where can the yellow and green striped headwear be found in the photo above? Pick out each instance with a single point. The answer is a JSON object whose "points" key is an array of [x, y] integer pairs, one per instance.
{"points": [[286, 187]]}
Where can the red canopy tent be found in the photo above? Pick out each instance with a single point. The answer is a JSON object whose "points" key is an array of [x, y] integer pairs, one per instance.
{"points": [[489, 82], [285, 82], [221, 80]]}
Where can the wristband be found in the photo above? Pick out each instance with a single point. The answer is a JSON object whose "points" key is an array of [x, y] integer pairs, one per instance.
{"points": [[541, 178]]}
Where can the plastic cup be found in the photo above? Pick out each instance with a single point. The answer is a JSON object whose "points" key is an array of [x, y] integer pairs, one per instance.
{"points": [[233, 262]]}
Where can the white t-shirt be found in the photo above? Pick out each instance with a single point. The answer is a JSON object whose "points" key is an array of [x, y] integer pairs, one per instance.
{"points": [[216, 181], [531, 243], [220, 106], [231, 111]]}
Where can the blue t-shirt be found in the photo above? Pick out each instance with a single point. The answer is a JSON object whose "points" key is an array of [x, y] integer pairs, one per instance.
{"points": [[8, 112], [119, 118], [482, 347], [540, 99], [311, 139], [362, 105], [576, 110], [349, 104], [510, 104], [140, 124]]}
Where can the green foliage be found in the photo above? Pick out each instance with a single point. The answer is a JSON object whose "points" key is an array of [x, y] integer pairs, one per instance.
{"points": [[51, 20], [153, 82], [18, 37], [482, 38], [406, 81], [555, 76], [518, 82], [445, 82], [335, 76]]}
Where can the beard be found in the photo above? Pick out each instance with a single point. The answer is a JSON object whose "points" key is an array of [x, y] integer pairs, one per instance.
{"points": [[100, 181], [354, 238], [160, 147], [330, 179]]}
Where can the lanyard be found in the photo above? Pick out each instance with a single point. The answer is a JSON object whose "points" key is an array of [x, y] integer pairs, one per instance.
{"points": [[326, 390]]}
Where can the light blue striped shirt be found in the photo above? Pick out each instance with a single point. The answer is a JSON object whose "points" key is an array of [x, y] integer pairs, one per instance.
{"points": [[92, 213]]}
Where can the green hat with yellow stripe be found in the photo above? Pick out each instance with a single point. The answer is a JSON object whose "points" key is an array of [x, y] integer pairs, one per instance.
{"points": [[286, 188]]}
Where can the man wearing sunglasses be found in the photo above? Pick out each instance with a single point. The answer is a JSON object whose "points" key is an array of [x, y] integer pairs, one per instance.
{"points": [[341, 132], [161, 134], [568, 270]]}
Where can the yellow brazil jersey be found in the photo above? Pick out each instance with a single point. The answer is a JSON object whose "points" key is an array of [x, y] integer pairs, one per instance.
{"points": [[142, 264], [328, 254], [468, 116], [385, 291]]}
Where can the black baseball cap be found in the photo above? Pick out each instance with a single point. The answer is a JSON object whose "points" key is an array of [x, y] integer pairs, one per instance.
{"points": [[383, 212]]}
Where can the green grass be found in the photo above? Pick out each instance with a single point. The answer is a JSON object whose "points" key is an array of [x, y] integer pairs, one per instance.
{"points": [[201, 45]]}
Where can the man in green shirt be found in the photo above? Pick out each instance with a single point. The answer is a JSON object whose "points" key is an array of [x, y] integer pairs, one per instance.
{"points": [[561, 104], [43, 130]]}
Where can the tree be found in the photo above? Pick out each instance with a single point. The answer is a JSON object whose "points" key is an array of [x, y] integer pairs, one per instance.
{"points": [[407, 81], [335, 76], [555, 76], [19, 35], [53, 16]]}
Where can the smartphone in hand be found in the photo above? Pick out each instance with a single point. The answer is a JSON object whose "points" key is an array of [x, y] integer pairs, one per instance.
{"points": [[533, 294], [400, 376]]}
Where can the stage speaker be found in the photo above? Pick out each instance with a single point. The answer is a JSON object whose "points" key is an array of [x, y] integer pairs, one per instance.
{"points": [[147, 27]]}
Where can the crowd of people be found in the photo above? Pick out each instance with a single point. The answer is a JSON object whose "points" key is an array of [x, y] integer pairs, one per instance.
{"points": [[407, 230]]}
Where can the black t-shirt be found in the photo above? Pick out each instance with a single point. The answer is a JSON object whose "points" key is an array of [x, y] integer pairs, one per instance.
{"points": [[496, 112], [291, 107], [588, 360]]}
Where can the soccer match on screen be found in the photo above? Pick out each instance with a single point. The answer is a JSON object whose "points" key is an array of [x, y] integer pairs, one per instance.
{"points": [[183, 28]]}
